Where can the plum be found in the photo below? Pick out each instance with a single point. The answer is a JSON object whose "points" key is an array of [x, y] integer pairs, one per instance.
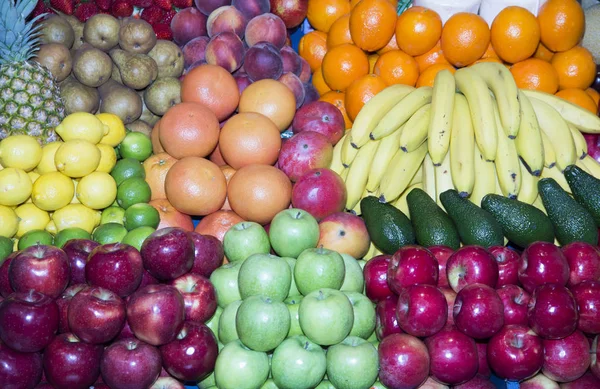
{"points": [[194, 50], [243, 81], [293, 82], [188, 24], [266, 28], [305, 72], [263, 61], [226, 18], [207, 6], [252, 8], [225, 50], [291, 60], [310, 93]]}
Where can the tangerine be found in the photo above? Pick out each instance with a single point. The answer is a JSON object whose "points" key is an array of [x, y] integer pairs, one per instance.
{"points": [[575, 67], [397, 67], [339, 33], [361, 91], [579, 97], [536, 74], [321, 14], [432, 57], [156, 168], [319, 83], [465, 37], [428, 76], [372, 24], [562, 24], [342, 65], [515, 34], [417, 30]]}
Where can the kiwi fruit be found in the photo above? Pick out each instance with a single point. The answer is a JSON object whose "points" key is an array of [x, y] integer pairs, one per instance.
{"points": [[56, 29], [56, 58], [140, 126], [91, 66], [137, 70], [121, 101], [169, 58], [78, 97], [162, 94], [136, 36], [102, 31]]}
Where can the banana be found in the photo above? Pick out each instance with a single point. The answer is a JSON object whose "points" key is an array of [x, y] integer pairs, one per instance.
{"points": [[401, 203], [374, 110], [415, 130], [358, 173], [529, 139], [418, 177], [582, 166], [400, 172], [348, 152], [428, 177], [442, 112], [344, 173], [388, 147], [472, 85], [508, 167], [443, 178], [528, 191], [592, 165], [553, 172], [502, 84], [336, 160], [498, 188], [356, 208], [369, 253], [539, 204], [580, 117], [557, 130], [462, 141], [401, 112], [549, 153], [485, 177], [580, 143]]}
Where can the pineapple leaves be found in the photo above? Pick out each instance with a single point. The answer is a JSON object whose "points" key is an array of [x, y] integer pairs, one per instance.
{"points": [[25, 7]]}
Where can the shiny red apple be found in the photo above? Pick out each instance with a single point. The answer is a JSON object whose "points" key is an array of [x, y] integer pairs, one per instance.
{"points": [[77, 251], [19, 370], [552, 311], [5, 287], [484, 369], [584, 262], [412, 265], [587, 297], [508, 265], [147, 279], [403, 361], [168, 253], [319, 116], [63, 301], [516, 302], [515, 353], [199, 296], [386, 319], [453, 356], [542, 263], [208, 253], [471, 265], [375, 273], [450, 296], [44, 269], [476, 382], [130, 363], [478, 311], [422, 310], [587, 381], [441, 254], [116, 266], [566, 359], [320, 192]]}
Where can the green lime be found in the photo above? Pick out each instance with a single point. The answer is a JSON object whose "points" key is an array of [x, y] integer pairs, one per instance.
{"points": [[6, 248], [34, 237], [141, 215], [69, 234], [118, 152], [136, 145], [109, 233], [112, 214], [127, 168], [137, 236], [133, 191]]}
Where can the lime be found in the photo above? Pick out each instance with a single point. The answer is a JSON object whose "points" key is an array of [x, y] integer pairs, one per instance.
{"points": [[21, 152], [108, 158], [141, 215], [77, 158], [47, 164], [76, 215], [112, 214], [97, 190], [116, 129], [9, 222], [34, 237], [6, 248], [127, 168], [82, 126], [16, 186], [136, 145], [69, 234], [133, 191], [52, 191], [137, 236], [118, 152], [31, 218], [109, 233]]}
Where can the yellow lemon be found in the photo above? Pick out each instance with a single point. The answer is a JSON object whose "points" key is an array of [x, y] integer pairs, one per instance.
{"points": [[9, 222], [33, 176], [15, 186], [97, 190], [47, 164], [51, 227], [82, 126], [108, 158], [52, 191], [31, 218], [21, 152], [116, 129], [76, 215], [77, 158], [75, 200]]}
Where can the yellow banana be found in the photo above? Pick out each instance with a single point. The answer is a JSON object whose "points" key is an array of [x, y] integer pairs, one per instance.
{"points": [[356, 208], [348, 152], [388, 147], [485, 177], [549, 154], [443, 178], [401, 203], [428, 177], [418, 177], [558, 176], [462, 141], [336, 160], [539, 204], [415, 130], [344, 173], [529, 190], [582, 166], [369, 253], [442, 112], [400, 172], [529, 139], [508, 168], [592, 165], [358, 173], [580, 144]]}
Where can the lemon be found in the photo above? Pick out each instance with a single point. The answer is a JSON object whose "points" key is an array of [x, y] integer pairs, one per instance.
{"points": [[108, 158], [33, 176], [9, 222], [15, 186], [51, 227], [97, 190], [82, 126], [21, 152], [31, 218], [116, 129], [75, 200], [52, 191], [47, 164], [77, 158], [76, 215]]}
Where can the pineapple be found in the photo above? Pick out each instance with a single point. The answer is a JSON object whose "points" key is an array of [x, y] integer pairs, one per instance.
{"points": [[30, 101]]}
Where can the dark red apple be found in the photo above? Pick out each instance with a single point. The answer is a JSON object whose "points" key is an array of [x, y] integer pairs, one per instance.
{"points": [[552, 311], [516, 301], [412, 265], [116, 266], [126, 332], [542, 263], [478, 311], [584, 262], [199, 296], [208, 253], [441, 254], [587, 381], [471, 265], [77, 251], [386, 320], [476, 383], [96, 315], [168, 253], [44, 269], [484, 369], [320, 192], [595, 354], [587, 297], [515, 353], [63, 301], [450, 296], [304, 151], [147, 279], [453, 356], [566, 359], [508, 265], [375, 273], [70, 363], [422, 310], [5, 287], [130, 363], [19, 370], [319, 116], [403, 361], [28, 321]]}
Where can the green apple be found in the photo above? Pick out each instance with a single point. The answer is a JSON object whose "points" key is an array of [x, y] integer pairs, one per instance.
{"points": [[293, 304], [213, 322], [269, 384], [227, 330], [319, 268], [225, 281], [208, 381], [352, 364], [265, 275], [293, 288], [373, 337], [298, 363], [244, 239], [354, 281], [325, 385], [262, 323], [292, 231], [364, 315], [326, 316], [361, 263], [238, 367]]}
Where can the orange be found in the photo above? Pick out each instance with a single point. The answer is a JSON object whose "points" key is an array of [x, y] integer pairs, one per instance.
{"points": [[515, 34], [536, 74], [489, 52], [212, 86], [228, 172], [319, 83], [156, 146], [542, 52], [216, 157], [562, 24], [397, 67], [218, 223], [248, 138], [575, 67], [258, 192], [361, 91], [579, 97], [312, 47], [433, 56], [489, 59], [391, 45], [342, 65], [170, 217], [339, 33], [372, 24], [156, 168], [465, 37], [417, 30], [594, 95], [428, 76], [272, 99], [354, 2], [189, 130], [321, 14], [196, 186], [339, 100], [372, 61]]}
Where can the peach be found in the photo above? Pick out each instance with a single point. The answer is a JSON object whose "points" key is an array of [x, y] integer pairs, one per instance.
{"points": [[243, 81], [188, 24], [226, 18], [252, 8], [305, 72], [345, 233], [263, 61], [293, 82], [194, 50], [292, 12], [225, 50], [291, 60], [193, 66], [207, 6], [266, 28], [310, 93]]}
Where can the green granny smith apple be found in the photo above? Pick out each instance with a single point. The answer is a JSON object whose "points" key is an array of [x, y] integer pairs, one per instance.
{"points": [[319, 268], [244, 239], [262, 323], [265, 275], [225, 281], [293, 304], [293, 288], [213, 322], [238, 367], [227, 330], [269, 384], [364, 315], [298, 363], [326, 316], [354, 281], [292, 231], [352, 364]]}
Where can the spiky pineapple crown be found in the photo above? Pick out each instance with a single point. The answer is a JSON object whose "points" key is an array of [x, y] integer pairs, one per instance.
{"points": [[19, 38]]}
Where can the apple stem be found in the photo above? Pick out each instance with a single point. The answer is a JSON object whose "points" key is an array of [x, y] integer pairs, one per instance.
{"points": [[306, 345], [182, 334], [517, 342], [298, 215], [132, 345]]}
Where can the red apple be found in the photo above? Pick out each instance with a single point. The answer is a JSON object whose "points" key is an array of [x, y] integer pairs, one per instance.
{"points": [[484, 369], [552, 311], [584, 262], [116, 266], [450, 296], [566, 359], [386, 319], [320, 192], [515, 353], [345, 233], [319, 116], [208, 253], [5, 287], [587, 296], [403, 361], [478, 311], [63, 301], [516, 302], [168, 253], [412, 265], [538, 381], [126, 332], [44, 269], [476, 383], [303, 152], [471, 265], [441, 254], [19, 370], [70, 363], [375, 273], [542, 263], [508, 265], [595, 354], [587, 381], [130, 363], [453, 355], [170, 217], [199, 296], [77, 251], [156, 313], [422, 310], [147, 279]]}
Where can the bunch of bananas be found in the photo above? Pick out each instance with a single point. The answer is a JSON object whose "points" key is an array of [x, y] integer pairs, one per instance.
{"points": [[473, 131]]}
